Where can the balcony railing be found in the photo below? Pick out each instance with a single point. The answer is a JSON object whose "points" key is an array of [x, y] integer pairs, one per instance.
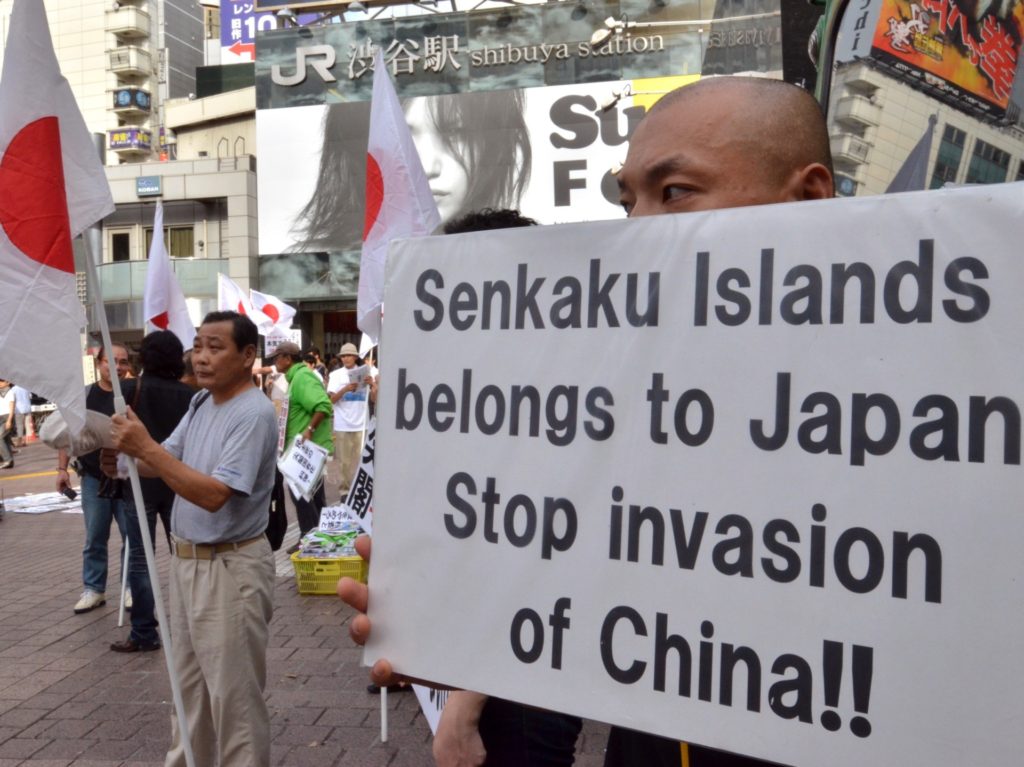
{"points": [[851, 148], [126, 280], [131, 60], [858, 110], [128, 22]]}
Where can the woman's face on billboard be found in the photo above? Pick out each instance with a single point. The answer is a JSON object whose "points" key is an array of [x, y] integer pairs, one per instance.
{"points": [[449, 182]]}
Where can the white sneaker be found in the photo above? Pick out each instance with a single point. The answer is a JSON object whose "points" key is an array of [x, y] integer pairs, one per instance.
{"points": [[90, 600], [128, 599]]}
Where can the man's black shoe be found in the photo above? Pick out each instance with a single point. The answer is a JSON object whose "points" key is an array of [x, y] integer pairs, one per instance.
{"points": [[130, 646]]}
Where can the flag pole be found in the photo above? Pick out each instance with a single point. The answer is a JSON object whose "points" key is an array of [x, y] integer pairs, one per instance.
{"points": [[91, 237], [124, 580]]}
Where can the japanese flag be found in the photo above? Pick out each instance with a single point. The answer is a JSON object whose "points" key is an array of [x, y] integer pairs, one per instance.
{"points": [[164, 303], [398, 198], [52, 186], [278, 311], [230, 297]]}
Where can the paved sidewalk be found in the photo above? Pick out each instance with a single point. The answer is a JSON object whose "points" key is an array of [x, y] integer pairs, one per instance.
{"points": [[66, 699]]}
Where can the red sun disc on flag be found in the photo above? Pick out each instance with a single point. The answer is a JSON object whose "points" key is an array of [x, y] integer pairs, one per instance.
{"points": [[374, 194], [241, 308], [161, 320], [33, 206], [271, 311]]}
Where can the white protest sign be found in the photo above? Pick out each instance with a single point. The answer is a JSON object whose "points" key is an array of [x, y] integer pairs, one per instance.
{"points": [[302, 466], [359, 501], [748, 478], [334, 518], [277, 336]]}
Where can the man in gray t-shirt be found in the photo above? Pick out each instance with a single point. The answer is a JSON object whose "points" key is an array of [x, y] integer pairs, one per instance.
{"points": [[233, 449], [220, 463]]}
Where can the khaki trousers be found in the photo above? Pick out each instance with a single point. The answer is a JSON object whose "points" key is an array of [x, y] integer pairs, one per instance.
{"points": [[220, 616], [348, 448]]}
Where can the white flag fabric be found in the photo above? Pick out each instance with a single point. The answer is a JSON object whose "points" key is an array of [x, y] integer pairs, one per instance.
{"points": [[365, 345], [164, 303], [52, 186], [398, 199], [230, 297], [278, 311]]}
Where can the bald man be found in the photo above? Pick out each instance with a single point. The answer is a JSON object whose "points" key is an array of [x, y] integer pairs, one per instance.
{"points": [[724, 143], [718, 143]]}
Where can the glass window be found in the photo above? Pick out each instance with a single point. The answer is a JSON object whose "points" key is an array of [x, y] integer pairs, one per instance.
{"points": [[120, 246], [988, 164], [179, 241], [947, 163]]}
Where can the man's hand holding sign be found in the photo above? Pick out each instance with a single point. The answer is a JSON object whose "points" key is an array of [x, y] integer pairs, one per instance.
{"points": [[774, 544]]}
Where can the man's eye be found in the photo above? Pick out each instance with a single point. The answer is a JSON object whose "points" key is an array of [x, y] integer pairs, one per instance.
{"points": [[675, 192]]}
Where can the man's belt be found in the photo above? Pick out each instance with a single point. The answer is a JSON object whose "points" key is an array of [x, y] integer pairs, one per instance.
{"points": [[188, 550]]}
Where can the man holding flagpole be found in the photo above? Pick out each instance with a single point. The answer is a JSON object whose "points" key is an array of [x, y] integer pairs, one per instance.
{"points": [[220, 463], [53, 187]]}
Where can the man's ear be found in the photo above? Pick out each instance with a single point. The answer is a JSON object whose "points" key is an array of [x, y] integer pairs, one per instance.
{"points": [[812, 182], [250, 355]]}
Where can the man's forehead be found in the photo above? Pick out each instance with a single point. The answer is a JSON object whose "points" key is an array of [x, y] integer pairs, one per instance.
{"points": [[220, 330], [691, 129]]}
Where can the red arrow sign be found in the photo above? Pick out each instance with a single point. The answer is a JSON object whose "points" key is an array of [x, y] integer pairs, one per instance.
{"points": [[248, 49]]}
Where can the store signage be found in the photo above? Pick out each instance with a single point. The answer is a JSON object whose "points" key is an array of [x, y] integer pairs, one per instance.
{"points": [[148, 186], [131, 138], [500, 49]]}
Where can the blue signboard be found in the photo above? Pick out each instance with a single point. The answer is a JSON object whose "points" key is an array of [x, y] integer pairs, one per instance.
{"points": [[131, 138], [239, 22], [148, 186]]}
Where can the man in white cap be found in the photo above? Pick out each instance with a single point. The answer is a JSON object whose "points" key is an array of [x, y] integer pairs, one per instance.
{"points": [[349, 397]]}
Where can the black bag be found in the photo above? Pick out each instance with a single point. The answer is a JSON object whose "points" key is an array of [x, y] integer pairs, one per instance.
{"points": [[277, 524]]}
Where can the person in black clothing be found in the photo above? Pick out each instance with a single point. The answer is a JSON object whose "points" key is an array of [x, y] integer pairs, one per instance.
{"points": [[160, 400]]}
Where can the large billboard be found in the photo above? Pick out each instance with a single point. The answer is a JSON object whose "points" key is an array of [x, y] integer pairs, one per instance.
{"points": [[500, 119], [550, 152], [239, 24], [967, 52]]}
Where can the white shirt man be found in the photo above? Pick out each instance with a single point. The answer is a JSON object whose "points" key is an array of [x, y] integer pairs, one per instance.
{"points": [[349, 398]]}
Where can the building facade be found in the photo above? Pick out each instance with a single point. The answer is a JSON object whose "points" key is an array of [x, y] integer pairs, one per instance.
{"points": [[877, 119]]}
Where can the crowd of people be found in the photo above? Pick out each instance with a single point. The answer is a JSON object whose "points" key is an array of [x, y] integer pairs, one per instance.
{"points": [[207, 440]]}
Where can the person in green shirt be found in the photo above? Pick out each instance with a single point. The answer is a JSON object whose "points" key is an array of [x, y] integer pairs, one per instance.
{"points": [[309, 417]]}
